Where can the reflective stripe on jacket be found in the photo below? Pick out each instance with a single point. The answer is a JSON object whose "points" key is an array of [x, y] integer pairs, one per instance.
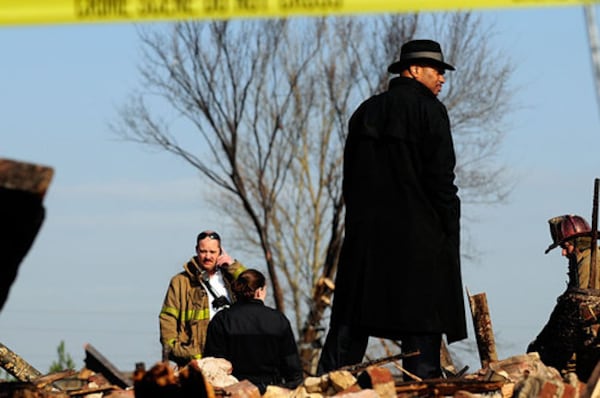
{"points": [[185, 313]]}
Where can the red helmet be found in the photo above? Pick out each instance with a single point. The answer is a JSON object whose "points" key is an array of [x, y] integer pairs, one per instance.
{"points": [[567, 227]]}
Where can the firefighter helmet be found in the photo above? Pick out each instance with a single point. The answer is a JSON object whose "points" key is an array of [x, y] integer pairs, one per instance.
{"points": [[567, 227]]}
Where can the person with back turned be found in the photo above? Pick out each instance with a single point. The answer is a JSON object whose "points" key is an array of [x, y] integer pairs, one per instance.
{"points": [[399, 273], [256, 339]]}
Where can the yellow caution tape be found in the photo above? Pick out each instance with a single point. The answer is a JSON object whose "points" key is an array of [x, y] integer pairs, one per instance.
{"points": [[28, 12]]}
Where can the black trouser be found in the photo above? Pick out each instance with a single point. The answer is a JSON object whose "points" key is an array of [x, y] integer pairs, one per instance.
{"points": [[344, 346]]}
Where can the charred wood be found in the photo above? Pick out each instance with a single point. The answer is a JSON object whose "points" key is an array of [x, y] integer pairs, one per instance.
{"points": [[95, 361], [482, 325], [17, 366], [22, 189]]}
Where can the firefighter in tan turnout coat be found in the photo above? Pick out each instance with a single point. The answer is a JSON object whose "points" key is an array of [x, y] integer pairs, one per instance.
{"points": [[569, 341], [194, 296]]}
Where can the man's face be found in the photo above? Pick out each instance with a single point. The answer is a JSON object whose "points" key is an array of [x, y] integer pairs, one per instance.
{"points": [[568, 249], [432, 78], [208, 251]]}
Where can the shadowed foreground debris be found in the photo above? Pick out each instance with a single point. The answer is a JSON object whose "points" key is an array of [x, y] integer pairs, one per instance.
{"points": [[518, 377], [22, 190]]}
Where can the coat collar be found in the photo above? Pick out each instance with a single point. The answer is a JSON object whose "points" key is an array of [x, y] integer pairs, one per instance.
{"points": [[250, 302], [402, 81], [192, 267]]}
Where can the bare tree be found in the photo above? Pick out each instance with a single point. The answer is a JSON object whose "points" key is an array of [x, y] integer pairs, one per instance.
{"points": [[265, 105]]}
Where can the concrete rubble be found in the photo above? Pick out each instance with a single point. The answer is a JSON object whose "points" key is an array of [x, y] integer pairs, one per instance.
{"points": [[515, 377]]}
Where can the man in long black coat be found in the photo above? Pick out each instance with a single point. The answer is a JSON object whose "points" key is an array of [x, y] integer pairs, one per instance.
{"points": [[399, 274]]}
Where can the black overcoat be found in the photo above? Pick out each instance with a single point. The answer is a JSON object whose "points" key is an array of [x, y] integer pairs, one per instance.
{"points": [[399, 269]]}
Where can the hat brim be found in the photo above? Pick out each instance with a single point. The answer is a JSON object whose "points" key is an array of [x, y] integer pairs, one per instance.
{"points": [[555, 245], [399, 66]]}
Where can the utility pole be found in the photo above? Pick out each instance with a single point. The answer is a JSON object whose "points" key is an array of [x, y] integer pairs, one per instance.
{"points": [[592, 31]]}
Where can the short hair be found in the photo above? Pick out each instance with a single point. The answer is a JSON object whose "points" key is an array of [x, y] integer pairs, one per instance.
{"points": [[422, 64], [247, 283], [208, 234]]}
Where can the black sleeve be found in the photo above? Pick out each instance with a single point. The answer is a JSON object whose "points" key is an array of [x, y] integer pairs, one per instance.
{"points": [[291, 369], [216, 339], [439, 163]]}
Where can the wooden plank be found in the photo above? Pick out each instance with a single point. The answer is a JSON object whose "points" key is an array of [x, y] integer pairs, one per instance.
{"points": [[446, 359], [22, 189], [447, 387], [95, 361], [482, 325], [592, 387], [17, 366], [24, 176], [592, 284], [47, 380]]}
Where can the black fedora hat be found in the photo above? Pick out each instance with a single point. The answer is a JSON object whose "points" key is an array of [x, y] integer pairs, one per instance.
{"points": [[426, 52]]}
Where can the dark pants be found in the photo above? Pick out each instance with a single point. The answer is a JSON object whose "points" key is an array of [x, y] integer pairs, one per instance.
{"points": [[344, 346]]}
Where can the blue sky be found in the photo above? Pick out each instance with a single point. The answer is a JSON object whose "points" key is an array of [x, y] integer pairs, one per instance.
{"points": [[122, 220]]}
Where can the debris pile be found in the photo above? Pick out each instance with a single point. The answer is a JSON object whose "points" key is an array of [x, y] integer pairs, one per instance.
{"points": [[515, 377], [193, 380], [522, 376]]}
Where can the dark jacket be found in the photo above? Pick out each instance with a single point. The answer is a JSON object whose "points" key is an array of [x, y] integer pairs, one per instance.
{"points": [[259, 343], [399, 269], [572, 328], [185, 312], [574, 322]]}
